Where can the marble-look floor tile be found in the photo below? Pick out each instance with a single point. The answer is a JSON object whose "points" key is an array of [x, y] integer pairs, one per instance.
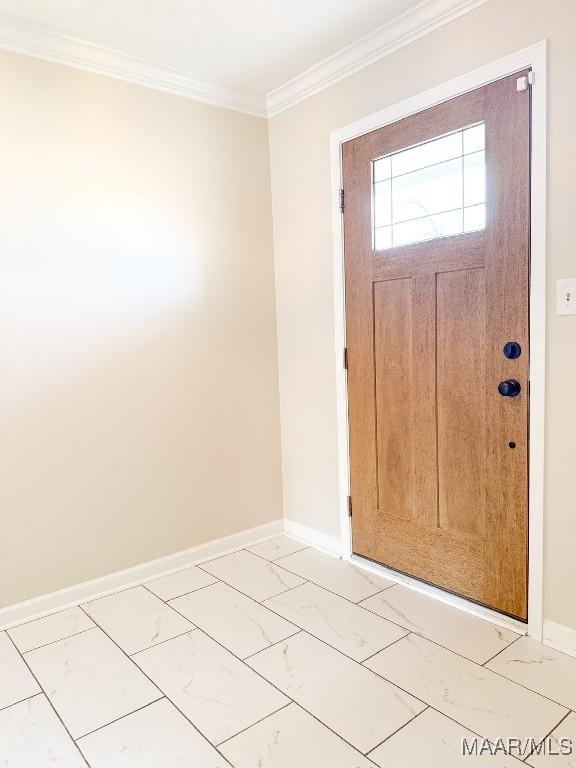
{"points": [[473, 695], [350, 699], [90, 681], [180, 583], [432, 740], [136, 619], [57, 626], [234, 620], [560, 750], [539, 668], [219, 693], [461, 632], [340, 623], [32, 736], [252, 575], [16, 682], [291, 738], [157, 736], [280, 546], [335, 575]]}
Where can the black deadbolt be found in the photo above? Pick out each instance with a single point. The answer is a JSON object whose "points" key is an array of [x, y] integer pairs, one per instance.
{"points": [[509, 388], [512, 350]]}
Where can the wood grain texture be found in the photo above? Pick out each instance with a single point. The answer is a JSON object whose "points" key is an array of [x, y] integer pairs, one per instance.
{"points": [[507, 286], [460, 372], [393, 356], [437, 492]]}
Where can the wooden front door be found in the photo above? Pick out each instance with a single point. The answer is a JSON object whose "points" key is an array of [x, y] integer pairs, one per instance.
{"points": [[436, 243]]}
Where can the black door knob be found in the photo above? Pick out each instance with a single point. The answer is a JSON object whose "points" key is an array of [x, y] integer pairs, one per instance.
{"points": [[509, 388]]}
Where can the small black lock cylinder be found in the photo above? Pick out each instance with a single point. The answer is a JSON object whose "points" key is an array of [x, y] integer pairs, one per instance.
{"points": [[512, 350]]}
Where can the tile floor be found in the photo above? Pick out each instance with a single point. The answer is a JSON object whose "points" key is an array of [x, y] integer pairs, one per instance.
{"points": [[276, 656]]}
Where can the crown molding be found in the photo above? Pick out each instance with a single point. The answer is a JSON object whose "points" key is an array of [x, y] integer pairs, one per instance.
{"points": [[401, 31], [33, 40]]}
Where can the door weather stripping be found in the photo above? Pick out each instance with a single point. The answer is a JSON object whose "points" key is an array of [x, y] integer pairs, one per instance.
{"points": [[341, 201], [349, 506]]}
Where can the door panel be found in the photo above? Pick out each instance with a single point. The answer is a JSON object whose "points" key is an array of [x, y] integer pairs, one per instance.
{"points": [[437, 491], [461, 407], [393, 330]]}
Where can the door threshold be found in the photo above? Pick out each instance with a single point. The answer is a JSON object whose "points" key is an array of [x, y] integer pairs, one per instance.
{"points": [[456, 601]]}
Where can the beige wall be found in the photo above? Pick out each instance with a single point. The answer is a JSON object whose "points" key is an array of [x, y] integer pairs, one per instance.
{"points": [[300, 162], [138, 369]]}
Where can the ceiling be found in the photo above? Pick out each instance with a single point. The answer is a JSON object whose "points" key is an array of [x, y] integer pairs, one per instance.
{"points": [[255, 46]]}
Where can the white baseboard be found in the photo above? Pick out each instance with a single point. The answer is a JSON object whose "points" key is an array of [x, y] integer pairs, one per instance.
{"points": [[314, 538], [559, 637], [88, 590]]}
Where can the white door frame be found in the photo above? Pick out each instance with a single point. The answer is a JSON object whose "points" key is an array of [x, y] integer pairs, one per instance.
{"points": [[534, 56]]}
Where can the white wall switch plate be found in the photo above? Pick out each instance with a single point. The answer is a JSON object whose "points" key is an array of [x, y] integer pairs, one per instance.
{"points": [[566, 296]]}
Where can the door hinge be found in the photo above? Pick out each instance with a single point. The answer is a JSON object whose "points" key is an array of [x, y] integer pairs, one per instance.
{"points": [[345, 358], [341, 201], [349, 506]]}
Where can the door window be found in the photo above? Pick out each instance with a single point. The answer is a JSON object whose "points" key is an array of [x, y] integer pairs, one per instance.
{"points": [[434, 189]]}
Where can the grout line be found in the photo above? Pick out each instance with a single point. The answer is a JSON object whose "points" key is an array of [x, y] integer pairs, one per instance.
{"points": [[274, 559], [162, 692], [39, 618], [279, 594], [441, 712], [104, 632], [408, 631], [397, 730], [501, 651], [316, 584], [250, 596], [358, 604], [262, 603], [60, 639], [298, 630], [302, 548], [103, 597], [412, 695], [384, 589], [446, 647], [547, 736], [363, 662], [466, 727], [349, 659], [184, 594], [192, 628], [49, 701], [270, 683], [487, 669], [122, 717], [228, 554], [159, 689], [26, 698], [270, 714]]}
